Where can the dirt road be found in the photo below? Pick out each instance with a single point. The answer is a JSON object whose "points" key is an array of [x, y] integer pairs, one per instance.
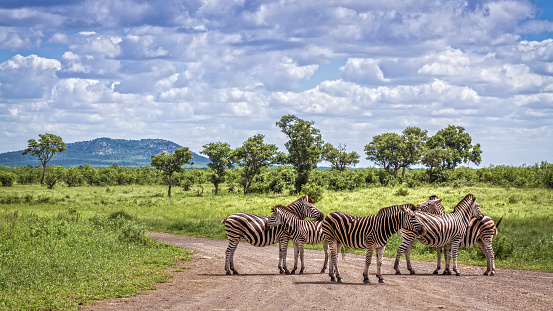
{"points": [[260, 287]]}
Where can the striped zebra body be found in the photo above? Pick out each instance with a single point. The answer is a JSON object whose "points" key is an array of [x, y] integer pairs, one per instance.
{"points": [[300, 231], [251, 228], [367, 232], [481, 232], [443, 230]]}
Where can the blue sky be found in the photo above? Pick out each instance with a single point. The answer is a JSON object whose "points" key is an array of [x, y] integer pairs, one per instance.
{"points": [[196, 72]]}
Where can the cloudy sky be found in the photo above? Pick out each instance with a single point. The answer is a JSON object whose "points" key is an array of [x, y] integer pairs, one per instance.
{"points": [[201, 71]]}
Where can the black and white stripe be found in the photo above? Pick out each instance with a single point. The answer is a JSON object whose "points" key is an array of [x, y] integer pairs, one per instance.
{"points": [[443, 230], [251, 228], [300, 231], [367, 232]]}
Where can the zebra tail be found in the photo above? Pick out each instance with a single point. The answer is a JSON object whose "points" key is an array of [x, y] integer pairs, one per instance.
{"points": [[497, 224]]}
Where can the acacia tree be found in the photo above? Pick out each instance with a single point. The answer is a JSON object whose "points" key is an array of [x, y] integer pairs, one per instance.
{"points": [[253, 155], [457, 144], [169, 163], [386, 150], [447, 149], [338, 157], [44, 149], [413, 147], [220, 155], [304, 146]]}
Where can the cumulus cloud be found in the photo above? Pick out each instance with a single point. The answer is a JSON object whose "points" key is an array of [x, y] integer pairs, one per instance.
{"points": [[226, 70]]}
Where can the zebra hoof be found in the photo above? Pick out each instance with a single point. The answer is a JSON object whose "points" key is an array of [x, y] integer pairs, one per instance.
{"points": [[301, 272], [287, 272], [293, 272], [228, 273], [492, 274], [398, 272], [381, 281], [323, 271], [435, 272], [339, 280], [236, 272], [366, 281], [486, 273], [332, 279], [412, 271]]}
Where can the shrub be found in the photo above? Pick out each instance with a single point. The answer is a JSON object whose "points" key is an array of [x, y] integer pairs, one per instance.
{"points": [[7, 179], [315, 192]]}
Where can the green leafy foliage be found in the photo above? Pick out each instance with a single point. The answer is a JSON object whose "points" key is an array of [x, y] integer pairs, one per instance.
{"points": [[61, 261]]}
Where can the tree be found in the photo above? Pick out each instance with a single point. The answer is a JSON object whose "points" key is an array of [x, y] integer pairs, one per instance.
{"points": [[304, 146], [220, 155], [44, 149], [253, 155], [387, 151], [339, 158], [457, 146], [169, 163], [413, 147]]}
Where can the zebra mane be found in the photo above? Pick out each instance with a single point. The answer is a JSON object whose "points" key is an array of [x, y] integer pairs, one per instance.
{"points": [[286, 208], [395, 208], [310, 200], [466, 201]]}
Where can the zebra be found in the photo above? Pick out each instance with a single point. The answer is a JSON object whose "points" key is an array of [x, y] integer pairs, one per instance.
{"points": [[479, 232], [251, 228], [300, 231], [367, 232], [443, 230]]}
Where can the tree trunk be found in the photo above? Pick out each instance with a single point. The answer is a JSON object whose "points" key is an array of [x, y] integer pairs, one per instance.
{"points": [[43, 173], [403, 173], [170, 182]]}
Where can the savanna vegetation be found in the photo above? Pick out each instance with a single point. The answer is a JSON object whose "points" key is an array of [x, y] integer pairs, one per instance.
{"points": [[72, 234], [92, 221]]}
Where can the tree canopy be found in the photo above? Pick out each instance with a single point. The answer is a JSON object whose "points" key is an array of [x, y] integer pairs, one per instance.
{"points": [[304, 146], [47, 145], [253, 155], [220, 155], [170, 163], [338, 157]]}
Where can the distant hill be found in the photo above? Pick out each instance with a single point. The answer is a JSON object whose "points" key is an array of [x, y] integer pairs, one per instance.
{"points": [[103, 152]]}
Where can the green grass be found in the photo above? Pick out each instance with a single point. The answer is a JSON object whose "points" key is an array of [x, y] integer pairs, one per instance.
{"points": [[525, 239], [61, 261]]}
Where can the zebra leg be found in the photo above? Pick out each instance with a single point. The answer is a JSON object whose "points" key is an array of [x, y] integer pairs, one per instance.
{"points": [[447, 259], [333, 268], [368, 258], [296, 251], [229, 260], [379, 253], [406, 244], [282, 257], [408, 259], [325, 247], [454, 250], [301, 247], [439, 254], [486, 247]]}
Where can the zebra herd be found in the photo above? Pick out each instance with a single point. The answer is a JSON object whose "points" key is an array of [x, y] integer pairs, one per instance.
{"points": [[426, 222]]}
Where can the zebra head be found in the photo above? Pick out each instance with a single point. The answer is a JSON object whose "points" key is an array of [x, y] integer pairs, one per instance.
{"points": [[431, 206], [276, 218], [469, 201], [304, 208], [410, 221]]}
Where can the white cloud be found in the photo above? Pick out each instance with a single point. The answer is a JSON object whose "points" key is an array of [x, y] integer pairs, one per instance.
{"points": [[201, 71]]}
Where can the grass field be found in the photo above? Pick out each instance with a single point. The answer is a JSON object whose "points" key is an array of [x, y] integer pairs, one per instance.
{"points": [[525, 237], [64, 246]]}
